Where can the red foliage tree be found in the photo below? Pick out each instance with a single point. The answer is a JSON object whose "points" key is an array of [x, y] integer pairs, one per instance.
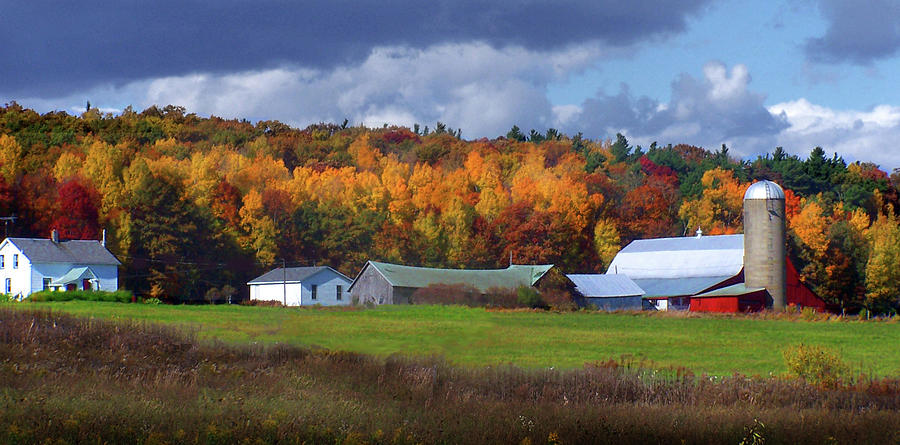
{"points": [[77, 217]]}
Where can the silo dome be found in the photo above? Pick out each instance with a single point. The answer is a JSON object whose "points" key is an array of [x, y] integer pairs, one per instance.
{"points": [[764, 190]]}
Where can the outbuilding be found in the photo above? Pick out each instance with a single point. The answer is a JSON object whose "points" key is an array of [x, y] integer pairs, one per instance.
{"points": [[608, 292], [302, 286], [386, 283]]}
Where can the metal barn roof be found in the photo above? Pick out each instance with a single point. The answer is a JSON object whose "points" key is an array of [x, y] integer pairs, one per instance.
{"points": [[731, 291], [291, 274], [680, 258], [40, 250], [604, 285], [676, 287], [419, 277]]}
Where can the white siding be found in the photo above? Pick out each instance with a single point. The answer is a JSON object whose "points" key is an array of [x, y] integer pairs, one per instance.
{"points": [[326, 283], [20, 277], [276, 292]]}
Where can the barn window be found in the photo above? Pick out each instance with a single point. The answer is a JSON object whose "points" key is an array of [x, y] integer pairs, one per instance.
{"points": [[315, 290], [46, 284], [337, 292]]}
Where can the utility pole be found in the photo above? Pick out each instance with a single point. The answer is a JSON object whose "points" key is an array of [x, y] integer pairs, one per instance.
{"points": [[284, 280]]}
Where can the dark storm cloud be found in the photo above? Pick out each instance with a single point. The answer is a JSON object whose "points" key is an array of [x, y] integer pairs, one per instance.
{"points": [[49, 47], [716, 109], [858, 32]]}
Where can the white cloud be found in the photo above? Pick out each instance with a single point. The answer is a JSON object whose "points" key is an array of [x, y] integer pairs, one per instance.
{"points": [[870, 135]]}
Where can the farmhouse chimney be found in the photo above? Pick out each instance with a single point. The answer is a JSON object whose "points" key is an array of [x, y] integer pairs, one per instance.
{"points": [[54, 236]]}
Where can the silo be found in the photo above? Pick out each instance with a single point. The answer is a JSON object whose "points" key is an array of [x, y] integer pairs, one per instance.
{"points": [[764, 241]]}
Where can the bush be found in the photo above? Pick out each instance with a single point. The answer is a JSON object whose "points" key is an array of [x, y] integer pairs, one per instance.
{"points": [[465, 295], [529, 297], [119, 296], [816, 364], [461, 294]]}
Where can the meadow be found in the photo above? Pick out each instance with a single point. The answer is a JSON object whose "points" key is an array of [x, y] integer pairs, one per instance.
{"points": [[67, 379], [709, 344]]}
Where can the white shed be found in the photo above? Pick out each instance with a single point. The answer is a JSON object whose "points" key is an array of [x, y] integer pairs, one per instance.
{"points": [[302, 286]]}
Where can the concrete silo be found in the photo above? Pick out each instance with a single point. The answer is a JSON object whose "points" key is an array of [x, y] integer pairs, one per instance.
{"points": [[764, 240]]}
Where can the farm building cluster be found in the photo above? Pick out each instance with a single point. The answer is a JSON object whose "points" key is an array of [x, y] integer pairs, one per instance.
{"points": [[723, 273]]}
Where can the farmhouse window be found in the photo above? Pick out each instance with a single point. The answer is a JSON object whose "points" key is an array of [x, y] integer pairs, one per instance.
{"points": [[2, 261], [8, 285], [15, 261], [315, 290], [337, 292]]}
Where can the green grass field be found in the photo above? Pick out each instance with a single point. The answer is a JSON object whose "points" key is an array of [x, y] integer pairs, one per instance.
{"points": [[714, 345]]}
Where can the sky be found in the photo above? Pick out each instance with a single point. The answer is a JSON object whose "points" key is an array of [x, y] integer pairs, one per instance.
{"points": [[751, 75]]}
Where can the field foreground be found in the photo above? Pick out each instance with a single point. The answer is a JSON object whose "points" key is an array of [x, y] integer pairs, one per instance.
{"points": [[715, 345], [75, 380]]}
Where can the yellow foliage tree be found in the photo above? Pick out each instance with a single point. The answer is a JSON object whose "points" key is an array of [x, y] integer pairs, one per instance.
{"points": [[719, 209], [259, 228], [882, 271], [811, 226], [607, 241], [10, 158]]}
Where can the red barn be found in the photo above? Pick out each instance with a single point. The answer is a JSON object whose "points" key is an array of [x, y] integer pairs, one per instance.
{"points": [[701, 273]]}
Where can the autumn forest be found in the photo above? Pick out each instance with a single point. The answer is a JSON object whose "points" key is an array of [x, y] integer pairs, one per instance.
{"points": [[191, 204]]}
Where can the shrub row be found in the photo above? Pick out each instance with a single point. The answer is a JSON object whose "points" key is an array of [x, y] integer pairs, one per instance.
{"points": [[119, 296]]}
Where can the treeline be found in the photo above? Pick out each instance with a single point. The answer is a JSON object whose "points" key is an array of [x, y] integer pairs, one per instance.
{"points": [[192, 204]]}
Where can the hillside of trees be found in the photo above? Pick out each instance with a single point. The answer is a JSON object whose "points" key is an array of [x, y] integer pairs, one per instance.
{"points": [[192, 204]]}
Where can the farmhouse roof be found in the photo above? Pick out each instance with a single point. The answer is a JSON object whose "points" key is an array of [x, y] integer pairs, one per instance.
{"points": [[605, 285], [40, 250], [482, 279], [291, 274], [682, 257]]}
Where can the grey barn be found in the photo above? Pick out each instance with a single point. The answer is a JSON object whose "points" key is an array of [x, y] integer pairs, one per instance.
{"points": [[385, 283]]}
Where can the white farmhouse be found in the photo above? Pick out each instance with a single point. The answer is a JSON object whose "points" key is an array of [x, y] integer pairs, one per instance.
{"points": [[33, 264], [302, 286]]}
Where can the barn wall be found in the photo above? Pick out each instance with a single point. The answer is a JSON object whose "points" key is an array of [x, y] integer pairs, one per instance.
{"points": [[714, 304], [751, 302], [797, 292], [615, 303], [371, 287]]}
